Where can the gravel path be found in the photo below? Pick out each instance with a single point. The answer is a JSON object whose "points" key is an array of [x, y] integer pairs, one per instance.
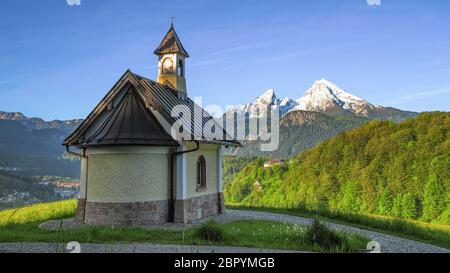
{"points": [[128, 248], [388, 243]]}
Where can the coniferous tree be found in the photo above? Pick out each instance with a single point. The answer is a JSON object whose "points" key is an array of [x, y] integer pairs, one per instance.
{"points": [[397, 206], [433, 199], [385, 203], [351, 199], [409, 208]]}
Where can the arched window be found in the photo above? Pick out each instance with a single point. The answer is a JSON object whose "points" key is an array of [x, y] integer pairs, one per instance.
{"points": [[180, 68], [167, 66], [201, 173]]}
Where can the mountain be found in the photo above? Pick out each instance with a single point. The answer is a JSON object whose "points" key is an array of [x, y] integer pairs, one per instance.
{"points": [[300, 130], [325, 96], [34, 151], [287, 104], [37, 123], [322, 112], [385, 168], [268, 98]]}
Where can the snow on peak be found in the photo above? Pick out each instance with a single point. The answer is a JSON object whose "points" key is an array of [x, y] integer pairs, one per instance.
{"points": [[339, 92], [287, 104], [268, 98], [286, 101], [323, 95]]}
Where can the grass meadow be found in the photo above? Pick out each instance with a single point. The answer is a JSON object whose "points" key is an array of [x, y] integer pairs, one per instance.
{"points": [[435, 234], [21, 225]]}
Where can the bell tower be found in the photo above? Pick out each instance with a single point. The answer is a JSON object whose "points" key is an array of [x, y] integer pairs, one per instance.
{"points": [[171, 63]]}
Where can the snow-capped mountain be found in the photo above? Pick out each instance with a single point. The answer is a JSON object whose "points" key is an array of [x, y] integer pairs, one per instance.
{"points": [[268, 98], [287, 104], [325, 96]]}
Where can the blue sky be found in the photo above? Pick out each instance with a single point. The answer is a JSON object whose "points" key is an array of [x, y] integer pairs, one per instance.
{"points": [[58, 61]]}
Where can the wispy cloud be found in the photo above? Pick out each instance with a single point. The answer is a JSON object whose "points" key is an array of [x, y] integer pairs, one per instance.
{"points": [[419, 95], [273, 58], [238, 25], [241, 48], [214, 58], [205, 62]]}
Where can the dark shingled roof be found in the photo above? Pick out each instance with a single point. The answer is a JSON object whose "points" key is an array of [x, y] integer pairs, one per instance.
{"points": [[122, 125], [168, 99], [129, 123], [171, 44]]}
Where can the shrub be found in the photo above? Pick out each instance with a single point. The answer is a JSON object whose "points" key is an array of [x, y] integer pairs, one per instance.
{"points": [[211, 231], [321, 235]]}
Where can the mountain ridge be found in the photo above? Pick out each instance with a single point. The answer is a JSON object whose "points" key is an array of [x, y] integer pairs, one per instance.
{"points": [[322, 112], [325, 96], [35, 123]]}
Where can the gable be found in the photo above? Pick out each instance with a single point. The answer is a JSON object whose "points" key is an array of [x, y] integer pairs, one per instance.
{"points": [[158, 101], [128, 123]]}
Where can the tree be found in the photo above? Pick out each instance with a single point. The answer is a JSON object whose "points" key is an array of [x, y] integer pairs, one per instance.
{"points": [[433, 198], [351, 199], [385, 203], [397, 206], [409, 209]]}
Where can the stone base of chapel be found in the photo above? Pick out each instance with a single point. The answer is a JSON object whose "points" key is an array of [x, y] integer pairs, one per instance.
{"points": [[150, 212], [123, 214], [199, 207]]}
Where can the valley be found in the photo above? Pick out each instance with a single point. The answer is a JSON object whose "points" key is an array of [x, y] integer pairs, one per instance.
{"points": [[32, 160]]}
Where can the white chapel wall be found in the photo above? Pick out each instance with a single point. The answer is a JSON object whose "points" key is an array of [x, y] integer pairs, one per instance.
{"points": [[128, 174]]}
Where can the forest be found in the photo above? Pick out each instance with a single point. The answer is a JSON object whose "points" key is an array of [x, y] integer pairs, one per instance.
{"points": [[383, 168]]}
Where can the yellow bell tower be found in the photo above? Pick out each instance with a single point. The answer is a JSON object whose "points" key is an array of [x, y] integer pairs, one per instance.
{"points": [[171, 64]]}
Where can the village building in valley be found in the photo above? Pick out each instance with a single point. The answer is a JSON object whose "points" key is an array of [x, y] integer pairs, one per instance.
{"points": [[135, 168]]}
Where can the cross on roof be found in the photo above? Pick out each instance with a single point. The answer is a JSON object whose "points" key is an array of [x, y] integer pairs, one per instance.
{"points": [[172, 19]]}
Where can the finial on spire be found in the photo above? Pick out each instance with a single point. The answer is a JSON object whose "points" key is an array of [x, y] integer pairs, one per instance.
{"points": [[172, 18]]}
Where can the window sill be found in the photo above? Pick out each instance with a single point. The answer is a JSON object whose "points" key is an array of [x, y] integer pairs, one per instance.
{"points": [[200, 189]]}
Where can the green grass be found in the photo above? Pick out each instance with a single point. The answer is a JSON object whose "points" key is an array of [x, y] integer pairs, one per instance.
{"points": [[243, 233], [39, 212], [435, 234], [211, 231], [22, 226], [277, 235]]}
